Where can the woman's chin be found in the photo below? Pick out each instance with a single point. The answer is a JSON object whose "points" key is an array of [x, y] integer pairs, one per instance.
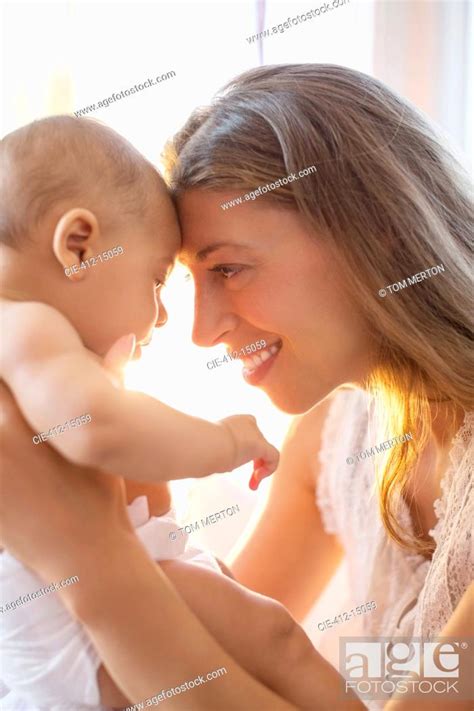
{"points": [[291, 399]]}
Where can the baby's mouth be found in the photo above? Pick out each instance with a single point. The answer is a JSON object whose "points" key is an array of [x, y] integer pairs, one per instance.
{"points": [[139, 347], [136, 355]]}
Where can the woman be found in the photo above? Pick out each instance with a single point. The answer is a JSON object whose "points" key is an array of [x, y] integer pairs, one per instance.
{"points": [[386, 203]]}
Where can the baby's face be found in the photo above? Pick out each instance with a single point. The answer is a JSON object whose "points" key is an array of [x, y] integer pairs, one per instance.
{"points": [[120, 293]]}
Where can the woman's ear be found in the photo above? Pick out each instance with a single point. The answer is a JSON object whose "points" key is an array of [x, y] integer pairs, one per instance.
{"points": [[75, 239]]}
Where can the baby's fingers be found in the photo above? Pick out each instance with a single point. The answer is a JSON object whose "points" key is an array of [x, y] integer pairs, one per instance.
{"points": [[271, 459], [258, 474], [263, 468]]}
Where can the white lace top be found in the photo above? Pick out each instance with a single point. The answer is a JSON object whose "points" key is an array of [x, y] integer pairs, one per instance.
{"points": [[414, 596]]}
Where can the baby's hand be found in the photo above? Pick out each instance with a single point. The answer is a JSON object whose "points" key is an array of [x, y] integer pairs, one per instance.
{"points": [[249, 443]]}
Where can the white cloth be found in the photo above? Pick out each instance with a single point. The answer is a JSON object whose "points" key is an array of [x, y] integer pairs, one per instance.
{"points": [[414, 596], [47, 661]]}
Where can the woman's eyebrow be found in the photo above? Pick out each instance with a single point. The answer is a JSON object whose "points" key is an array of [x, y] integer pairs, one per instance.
{"points": [[203, 254]]}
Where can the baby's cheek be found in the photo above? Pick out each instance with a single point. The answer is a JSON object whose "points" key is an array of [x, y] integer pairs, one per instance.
{"points": [[147, 310], [145, 317]]}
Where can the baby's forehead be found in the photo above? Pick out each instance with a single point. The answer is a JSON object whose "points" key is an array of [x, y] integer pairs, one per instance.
{"points": [[59, 160], [165, 230]]}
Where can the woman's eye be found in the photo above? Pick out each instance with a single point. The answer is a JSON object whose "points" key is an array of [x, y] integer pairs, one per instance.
{"points": [[226, 271], [158, 283]]}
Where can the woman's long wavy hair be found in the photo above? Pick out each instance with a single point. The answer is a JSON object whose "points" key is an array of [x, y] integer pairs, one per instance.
{"points": [[387, 198]]}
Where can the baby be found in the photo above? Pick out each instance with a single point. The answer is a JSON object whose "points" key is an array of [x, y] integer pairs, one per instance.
{"points": [[75, 195], [72, 191]]}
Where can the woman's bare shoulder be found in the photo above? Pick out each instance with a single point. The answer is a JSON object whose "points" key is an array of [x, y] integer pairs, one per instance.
{"points": [[307, 433], [301, 445], [305, 425]]}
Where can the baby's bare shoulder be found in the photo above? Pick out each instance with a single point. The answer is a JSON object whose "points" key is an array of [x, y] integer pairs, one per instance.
{"points": [[33, 329]]}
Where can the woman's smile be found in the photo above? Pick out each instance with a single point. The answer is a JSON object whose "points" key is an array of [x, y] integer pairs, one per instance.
{"points": [[257, 365]]}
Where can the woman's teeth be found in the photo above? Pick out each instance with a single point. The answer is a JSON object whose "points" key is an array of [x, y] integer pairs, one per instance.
{"points": [[251, 364]]}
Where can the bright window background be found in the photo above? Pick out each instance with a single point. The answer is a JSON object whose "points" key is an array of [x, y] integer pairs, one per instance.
{"points": [[64, 56]]}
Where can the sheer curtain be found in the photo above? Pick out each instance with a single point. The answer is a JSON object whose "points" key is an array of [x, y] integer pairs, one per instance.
{"points": [[344, 35], [424, 50]]}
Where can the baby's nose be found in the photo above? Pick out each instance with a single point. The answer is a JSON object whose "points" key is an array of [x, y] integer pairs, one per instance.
{"points": [[162, 316]]}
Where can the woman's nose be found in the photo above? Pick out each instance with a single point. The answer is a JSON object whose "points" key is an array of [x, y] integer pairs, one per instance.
{"points": [[213, 318]]}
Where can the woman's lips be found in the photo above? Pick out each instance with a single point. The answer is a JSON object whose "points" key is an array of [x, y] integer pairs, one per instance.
{"points": [[257, 366]]}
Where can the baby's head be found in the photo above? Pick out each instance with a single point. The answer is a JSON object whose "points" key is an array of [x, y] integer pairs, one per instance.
{"points": [[71, 191]]}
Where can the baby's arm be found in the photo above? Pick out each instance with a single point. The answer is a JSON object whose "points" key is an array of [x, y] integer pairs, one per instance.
{"points": [[54, 379], [258, 632]]}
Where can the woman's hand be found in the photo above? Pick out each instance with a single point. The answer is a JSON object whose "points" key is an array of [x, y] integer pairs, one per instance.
{"points": [[47, 504]]}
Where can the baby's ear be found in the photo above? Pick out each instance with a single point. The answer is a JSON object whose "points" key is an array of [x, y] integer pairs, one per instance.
{"points": [[75, 238]]}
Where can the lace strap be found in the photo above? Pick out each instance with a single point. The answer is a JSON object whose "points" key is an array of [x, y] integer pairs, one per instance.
{"points": [[344, 423]]}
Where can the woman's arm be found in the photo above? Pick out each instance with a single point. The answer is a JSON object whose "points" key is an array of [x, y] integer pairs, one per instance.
{"points": [[460, 625], [267, 642], [300, 557], [62, 521], [150, 640]]}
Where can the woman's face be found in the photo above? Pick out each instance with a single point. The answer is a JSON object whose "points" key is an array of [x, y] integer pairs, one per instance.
{"points": [[260, 274]]}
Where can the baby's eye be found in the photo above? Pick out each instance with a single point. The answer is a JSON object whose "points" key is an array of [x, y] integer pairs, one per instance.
{"points": [[158, 283], [226, 271]]}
